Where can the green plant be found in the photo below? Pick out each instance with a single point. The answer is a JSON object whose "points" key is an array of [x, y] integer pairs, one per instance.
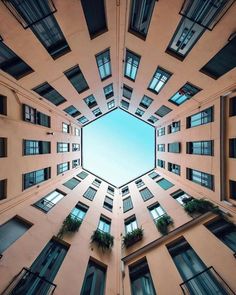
{"points": [[200, 206], [163, 223], [102, 239], [133, 237], [70, 224]]}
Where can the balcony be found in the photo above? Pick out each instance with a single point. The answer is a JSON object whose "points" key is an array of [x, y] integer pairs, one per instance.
{"points": [[28, 282], [207, 281]]}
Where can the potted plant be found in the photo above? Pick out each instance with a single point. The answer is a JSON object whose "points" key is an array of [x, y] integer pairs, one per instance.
{"points": [[102, 239], [132, 237], [200, 206], [70, 224], [163, 222]]}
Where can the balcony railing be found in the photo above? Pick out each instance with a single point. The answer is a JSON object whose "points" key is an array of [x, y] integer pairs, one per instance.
{"points": [[207, 281], [27, 282]]}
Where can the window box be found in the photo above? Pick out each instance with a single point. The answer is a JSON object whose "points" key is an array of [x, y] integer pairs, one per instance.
{"points": [[70, 224], [195, 207], [132, 237], [163, 222], [103, 239]]}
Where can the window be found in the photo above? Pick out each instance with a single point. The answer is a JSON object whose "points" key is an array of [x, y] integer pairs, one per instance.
{"points": [[96, 182], [35, 177], [75, 163], [71, 183], [63, 167], [161, 131], [232, 106], [82, 175], [161, 163], [232, 147], [35, 117], [127, 91], [3, 147], [111, 190], [140, 17], [146, 102], [65, 128], [202, 178], [77, 79], [232, 189], [79, 211], [90, 101], [108, 91], [36, 147], [104, 224], [82, 120], [200, 147], [174, 147], [159, 79], [139, 183], [164, 183], [124, 104], [11, 231], [77, 132], [161, 147], [63, 147], [184, 93], [174, 127], [225, 231], [72, 111], [90, 193], [139, 112], [146, 194], [153, 120], [174, 168], [125, 190], [3, 103], [43, 120], [131, 65], [95, 17], [111, 104], [223, 62], [153, 175], [12, 63], [180, 196], [140, 278], [48, 92], [49, 201], [127, 204], [156, 211], [94, 280], [3, 190], [163, 111], [104, 64], [75, 147], [97, 112], [201, 118], [130, 224], [108, 203]]}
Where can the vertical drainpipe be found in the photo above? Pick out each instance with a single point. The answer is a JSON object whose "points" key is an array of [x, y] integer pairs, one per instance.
{"points": [[223, 100]]}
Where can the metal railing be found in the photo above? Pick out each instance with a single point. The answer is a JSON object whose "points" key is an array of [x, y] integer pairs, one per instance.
{"points": [[27, 282], [207, 281]]}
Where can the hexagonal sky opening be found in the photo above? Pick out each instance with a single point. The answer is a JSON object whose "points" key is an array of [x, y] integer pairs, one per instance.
{"points": [[118, 147]]}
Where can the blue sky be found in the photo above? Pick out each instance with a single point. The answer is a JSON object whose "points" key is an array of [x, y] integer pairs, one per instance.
{"points": [[118, 147]]}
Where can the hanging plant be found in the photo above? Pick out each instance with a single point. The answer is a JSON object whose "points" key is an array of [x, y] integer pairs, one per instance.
{"points": [[200, 206], [130, 238], [102, 239], [70, 224], [163, 223]]}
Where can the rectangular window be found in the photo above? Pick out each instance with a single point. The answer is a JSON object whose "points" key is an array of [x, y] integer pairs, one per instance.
{"points": [[130, 224], [132, 61], [63, 167], [146, 194], [174, 147], [146, 102], [35, 117], [12, 63], [200, 147], [127, 91], [49, 201], [174, 168], [161, 163], [90, 193], [140, 278], [82, 120], [156, 211], [139, 112], [164, 183], [232, 106], [3, 190], [35, 177], [94, 279], [79, 211], [202, 178], [180, 196], [82, 175], [139, 183], [72, 111], [95, 17], [71, 183], [77, 131], [43, 120], [111, 104], [163, 111], [36, 147], [108, 91], [75, 147], [127, 204], [97, 112], [63, 147], [232, 189], [104, 64], [161, 131], [140, 17], [201, 118], [3, 147], [159, 79], [90, 101], [232, 147], [65, 128], [153, 175], [184, 93], [161, 147], [3, 103], [76, 78], [111, 190], [96, 182], [152, 119], [108, 203], [11, 231], [49, 93], [75, 163], [124, 104], [104, 224], [174, 127], [125, 190]]}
